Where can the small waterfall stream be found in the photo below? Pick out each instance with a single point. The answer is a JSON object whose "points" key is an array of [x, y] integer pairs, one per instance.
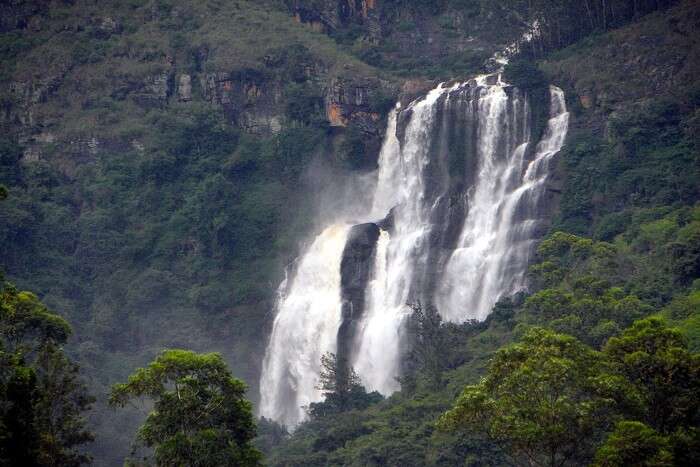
{"points": [[458, 201]]}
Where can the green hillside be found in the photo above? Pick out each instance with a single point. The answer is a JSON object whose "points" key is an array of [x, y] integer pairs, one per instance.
{"points": [[160, 158]]}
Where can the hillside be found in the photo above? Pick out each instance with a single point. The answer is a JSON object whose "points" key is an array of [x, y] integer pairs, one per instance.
{"points": [[152, 150], [628, 179], [167, 160]]}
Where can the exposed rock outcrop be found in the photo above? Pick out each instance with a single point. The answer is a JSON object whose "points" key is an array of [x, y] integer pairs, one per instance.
{"points": [[350, 100], [356, 270], [184, 88], [330, 15], [249, 99]]}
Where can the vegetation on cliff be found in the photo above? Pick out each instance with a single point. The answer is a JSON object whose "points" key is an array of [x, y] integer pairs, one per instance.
{"points": [[153, 167]]}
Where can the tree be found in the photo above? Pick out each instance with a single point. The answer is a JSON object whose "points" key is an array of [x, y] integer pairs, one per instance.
{"points": [[634, 443], [663, 376], [337, 376], [42, 397], [61, 398], [658, 396], [270, 435], [342, 388], [429, 351], [538, 400], [200, 415]]}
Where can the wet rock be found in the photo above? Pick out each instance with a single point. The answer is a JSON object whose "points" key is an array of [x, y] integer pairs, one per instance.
{"points": [[387, 223], [413, 89], [355, 270], [217, 87], [250, 100], [586, 101]]}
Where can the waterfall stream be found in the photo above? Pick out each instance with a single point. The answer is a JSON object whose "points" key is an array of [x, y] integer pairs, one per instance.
{"points": [[460, 195]]}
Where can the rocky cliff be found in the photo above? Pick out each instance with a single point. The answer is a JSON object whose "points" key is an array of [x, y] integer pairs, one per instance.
{"points": [[83, 83], [356, 270]]}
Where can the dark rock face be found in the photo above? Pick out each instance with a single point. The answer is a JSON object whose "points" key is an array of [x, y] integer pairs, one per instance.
{"points": [[250, 100], [356, 270], [388, 222], [330, 15], [17, 14]]}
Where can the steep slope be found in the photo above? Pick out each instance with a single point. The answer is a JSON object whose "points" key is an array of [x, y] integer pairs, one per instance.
{"points": [[627, 175], [154, 154], [163, 157]]}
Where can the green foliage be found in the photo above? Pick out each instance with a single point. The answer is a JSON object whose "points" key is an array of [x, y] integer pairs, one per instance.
{"points": [[305, 104], [19, 439], [200, 415], [585, 288], [664, 375], [341, 387], [161, 246], [633, 149], [564, 22], [549, 399], [525, 75], [353, 151], [174, 240], [654, 253], [538, 399], [429, 349], [581, 291], [27, 323], [269, 435], [633, 443], [293, 62], [42, 398], [682, 313]]}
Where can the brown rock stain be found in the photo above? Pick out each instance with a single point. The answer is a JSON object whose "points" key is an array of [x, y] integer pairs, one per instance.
{"points": [[368, 5], [334, 113]]}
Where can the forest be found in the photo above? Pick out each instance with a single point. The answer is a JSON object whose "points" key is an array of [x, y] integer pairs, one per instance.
{"points": [[165, 166]]}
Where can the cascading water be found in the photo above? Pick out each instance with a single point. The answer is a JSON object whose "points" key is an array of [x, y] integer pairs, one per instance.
{"points": [[305, 328], [498, 233], [456, 211]]}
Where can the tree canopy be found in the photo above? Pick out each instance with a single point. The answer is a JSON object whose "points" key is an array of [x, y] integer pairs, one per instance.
{"points": [[538, 399], [551, 400], [200, 415], [42, 397]]}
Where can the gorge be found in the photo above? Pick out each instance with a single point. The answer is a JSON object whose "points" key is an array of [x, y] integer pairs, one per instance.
{"points": [[459, 200]]}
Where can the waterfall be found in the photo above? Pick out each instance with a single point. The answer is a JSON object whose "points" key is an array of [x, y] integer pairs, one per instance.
{"points": [[458, 203], [498, 233], [304, 329]]}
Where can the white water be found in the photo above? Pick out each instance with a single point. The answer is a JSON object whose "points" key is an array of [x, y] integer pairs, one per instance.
{"points": [[305, 328], [400, 254], [488, 260], [494, 246], [379, 335]]}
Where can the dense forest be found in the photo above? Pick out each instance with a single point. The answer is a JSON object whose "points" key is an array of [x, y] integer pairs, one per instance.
{"points": [[164, 163]]}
